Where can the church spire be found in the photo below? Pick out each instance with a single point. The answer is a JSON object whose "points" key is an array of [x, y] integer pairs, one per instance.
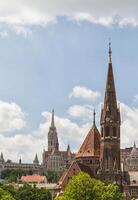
{"points": [[110, 131], [110, 93], [52, 136], [52, 120]]}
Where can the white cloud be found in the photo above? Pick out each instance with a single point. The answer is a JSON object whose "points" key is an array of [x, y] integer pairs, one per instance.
{"points": [[81, 111], [26, 145], [4, 34], [21, 145], [129, 127], [11, 117], [84, 93], [43, 12]]}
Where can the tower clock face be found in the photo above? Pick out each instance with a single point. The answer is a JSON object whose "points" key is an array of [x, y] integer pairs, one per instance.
{"points": [[107, 119]]}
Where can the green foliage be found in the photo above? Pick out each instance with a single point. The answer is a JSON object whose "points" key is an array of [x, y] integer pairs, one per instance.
{"points": [[10, 189], [5, 195], [52, 176], [12, 175], [32, 193], [83, 187]]}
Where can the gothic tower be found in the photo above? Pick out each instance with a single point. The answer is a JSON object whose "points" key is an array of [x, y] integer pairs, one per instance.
{"points": [[110, 167], [52, 136]]}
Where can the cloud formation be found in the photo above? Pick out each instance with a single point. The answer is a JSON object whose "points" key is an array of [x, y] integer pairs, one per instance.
{"points": [[11, 117], [27, 144], [84, 93], [104, 12]]}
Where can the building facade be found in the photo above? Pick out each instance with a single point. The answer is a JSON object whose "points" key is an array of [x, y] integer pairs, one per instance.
{"points": [[30, 168], [54, 159]]}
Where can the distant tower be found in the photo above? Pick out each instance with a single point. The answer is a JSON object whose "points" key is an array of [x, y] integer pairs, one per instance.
{"points": [[36, 161], [1, 158], [110, 167], [52, 136], [20, 161]]}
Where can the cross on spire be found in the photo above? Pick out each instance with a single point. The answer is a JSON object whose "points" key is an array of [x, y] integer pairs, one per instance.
{"points": [[94, 114], [110, 52]]}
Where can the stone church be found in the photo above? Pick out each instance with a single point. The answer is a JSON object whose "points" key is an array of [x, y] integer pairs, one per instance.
{"points": [[53, 158], [100, 153]]}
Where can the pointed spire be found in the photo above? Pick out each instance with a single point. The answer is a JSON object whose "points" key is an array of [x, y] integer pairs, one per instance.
{"points": [[52, 120], [134, 146], [68, 151], [20, 160], [68, 148], [110, 93], [36, 161], [2, 157], [134, 151]]}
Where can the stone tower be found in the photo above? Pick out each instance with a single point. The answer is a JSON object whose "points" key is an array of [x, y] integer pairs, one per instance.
{"points": [[110, 167], [53, 144]]}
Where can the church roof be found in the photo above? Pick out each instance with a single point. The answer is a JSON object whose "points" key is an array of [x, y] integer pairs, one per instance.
{"points": [[76, 167], [91, 144]]}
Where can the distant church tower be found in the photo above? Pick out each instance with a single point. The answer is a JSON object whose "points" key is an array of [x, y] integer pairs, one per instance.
{"points": [[110, 167], [53, 144]]}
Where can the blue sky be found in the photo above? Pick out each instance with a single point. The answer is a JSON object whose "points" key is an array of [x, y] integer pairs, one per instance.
{"points": [[44, 57]]}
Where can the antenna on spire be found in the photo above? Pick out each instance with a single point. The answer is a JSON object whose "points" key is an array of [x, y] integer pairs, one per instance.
{"points": [[110, 51], [94, 113], [52, 121]]}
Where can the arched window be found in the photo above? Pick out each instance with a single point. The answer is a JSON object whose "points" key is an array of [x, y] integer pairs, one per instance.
{"points": [[102, 132], [114, 131], [107, 131]]}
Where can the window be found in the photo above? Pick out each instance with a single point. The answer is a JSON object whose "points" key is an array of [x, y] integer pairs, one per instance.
{"points": [[114, 131], [107, 131], [102, 132]]}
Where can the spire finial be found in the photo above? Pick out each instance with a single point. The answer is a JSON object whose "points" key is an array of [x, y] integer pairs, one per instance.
{"points": [[94, 113], [52, 121], [110, 51]]}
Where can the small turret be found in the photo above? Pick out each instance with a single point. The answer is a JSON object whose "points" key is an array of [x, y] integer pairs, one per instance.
{"points": [[1, 158], [36, 161], [20, 160], [68, 151]]}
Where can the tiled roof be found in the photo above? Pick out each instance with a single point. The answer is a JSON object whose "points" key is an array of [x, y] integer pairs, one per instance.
{"points": [[68, 172], [91, 144], [85, 168], [33, 178]]}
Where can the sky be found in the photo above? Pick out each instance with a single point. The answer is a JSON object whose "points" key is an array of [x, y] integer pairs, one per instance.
{"points": [[55, 55]]}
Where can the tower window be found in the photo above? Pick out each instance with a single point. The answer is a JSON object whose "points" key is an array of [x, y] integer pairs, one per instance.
{"points": [[107, 131], [114, 131], [102, 132]]}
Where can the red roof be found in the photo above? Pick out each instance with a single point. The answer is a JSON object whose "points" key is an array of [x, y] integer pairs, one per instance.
{"points": [[91, 144], [33, 178]]}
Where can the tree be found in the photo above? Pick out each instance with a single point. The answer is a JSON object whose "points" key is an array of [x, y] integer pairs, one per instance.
{"points": [[12, 175], [51, 176], [32, 193], [5, 195], [83, 187]]}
